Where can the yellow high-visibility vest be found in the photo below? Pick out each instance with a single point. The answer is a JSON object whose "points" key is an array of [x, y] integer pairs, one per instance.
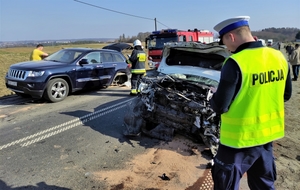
{"points": [[256, 115]]}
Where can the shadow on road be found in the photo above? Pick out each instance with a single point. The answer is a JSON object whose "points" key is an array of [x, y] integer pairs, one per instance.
{"points": [[39, 186], [14, 99]]}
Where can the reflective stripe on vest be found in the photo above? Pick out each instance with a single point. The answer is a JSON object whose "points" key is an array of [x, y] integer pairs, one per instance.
{"points": [[256, 115], [138, 71]]}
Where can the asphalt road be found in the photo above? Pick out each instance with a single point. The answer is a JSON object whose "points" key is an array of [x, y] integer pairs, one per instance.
{"points": [[55, 145]]}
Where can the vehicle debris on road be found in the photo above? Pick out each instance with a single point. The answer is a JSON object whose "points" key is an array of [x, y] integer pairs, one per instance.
{"points": [[175, 100]]}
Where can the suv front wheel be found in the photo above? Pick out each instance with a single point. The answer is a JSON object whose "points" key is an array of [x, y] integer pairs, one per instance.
{"points": [[57, 90]]}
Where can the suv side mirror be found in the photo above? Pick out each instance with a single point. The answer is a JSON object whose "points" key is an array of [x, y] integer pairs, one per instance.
{"points": [[83, 62]]}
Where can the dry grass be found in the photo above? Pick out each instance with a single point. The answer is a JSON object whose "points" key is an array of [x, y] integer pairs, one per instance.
{"points": [[9, 56]]}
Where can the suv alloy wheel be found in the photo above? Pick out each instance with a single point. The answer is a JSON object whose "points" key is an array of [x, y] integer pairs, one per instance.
{"points": [[57, 90]]}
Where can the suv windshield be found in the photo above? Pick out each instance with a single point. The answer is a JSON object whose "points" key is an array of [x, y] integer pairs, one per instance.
{"points": [[64, 55]]}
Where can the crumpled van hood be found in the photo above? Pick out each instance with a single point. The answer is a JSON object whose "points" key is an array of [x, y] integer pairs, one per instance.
{"points": [[206, 59]]}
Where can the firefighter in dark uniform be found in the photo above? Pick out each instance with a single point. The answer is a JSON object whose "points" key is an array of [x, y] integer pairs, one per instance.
{"points": [[137, 61], [254, 84]]}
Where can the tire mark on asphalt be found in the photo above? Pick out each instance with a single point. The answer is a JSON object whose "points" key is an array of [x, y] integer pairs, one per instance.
{"points": [[67, 125]]}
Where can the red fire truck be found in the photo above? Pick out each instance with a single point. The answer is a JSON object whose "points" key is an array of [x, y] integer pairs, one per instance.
{"points": [[155, 41]]}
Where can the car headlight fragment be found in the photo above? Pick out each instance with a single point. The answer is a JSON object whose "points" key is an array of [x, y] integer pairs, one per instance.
{"points": [[35, 73], [143, 87]]}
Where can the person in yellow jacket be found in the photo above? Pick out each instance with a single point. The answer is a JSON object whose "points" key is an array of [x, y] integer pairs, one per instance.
{"points": [[254, 84], [38, 54], [137, 61]]}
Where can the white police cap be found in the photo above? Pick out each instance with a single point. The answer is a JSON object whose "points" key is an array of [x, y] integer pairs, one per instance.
{"points": [[231, 24]]}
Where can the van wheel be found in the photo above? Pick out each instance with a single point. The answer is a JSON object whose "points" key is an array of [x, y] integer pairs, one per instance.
{"points": [[57, 90]]}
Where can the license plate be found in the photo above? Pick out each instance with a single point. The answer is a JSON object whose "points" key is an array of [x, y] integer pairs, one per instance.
{"points": [[12, 83]]}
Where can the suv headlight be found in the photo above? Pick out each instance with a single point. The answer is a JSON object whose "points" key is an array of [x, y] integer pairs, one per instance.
{"points": [[35, 73]]}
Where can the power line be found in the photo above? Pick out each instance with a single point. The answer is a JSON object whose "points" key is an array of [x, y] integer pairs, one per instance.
{"points": [[162, 24], [120, 12]]}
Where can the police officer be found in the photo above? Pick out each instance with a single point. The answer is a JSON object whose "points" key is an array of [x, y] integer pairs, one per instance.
{"points": [[137, 61], [255, 82]]}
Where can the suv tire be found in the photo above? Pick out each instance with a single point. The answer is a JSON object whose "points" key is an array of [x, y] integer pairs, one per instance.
{"points": [[57, 90]]}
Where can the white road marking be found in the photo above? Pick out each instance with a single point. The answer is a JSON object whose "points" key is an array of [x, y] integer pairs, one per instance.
{"points": [[65, 126]]}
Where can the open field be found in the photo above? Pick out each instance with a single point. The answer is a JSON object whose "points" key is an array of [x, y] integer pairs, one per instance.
{"points": [[9, 56]]}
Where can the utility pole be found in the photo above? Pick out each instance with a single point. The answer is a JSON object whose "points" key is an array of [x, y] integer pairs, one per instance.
{"points": [[155, 24]]}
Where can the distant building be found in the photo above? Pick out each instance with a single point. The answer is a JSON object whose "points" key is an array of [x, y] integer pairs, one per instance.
{"points": [[63, 42]]}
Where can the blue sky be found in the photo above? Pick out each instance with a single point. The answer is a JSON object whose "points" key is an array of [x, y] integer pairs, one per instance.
{"points": [[69, 19]]}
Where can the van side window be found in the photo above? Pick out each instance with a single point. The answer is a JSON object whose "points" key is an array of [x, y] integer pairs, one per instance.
{"points": [[182, 38]]}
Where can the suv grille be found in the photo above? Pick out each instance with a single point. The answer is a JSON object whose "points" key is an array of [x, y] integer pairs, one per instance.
{"points": [[17, 74]]}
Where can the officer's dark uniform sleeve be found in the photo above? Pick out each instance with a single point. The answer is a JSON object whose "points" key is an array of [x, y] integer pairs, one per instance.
{"points": [[228, 86], [288, 86]]}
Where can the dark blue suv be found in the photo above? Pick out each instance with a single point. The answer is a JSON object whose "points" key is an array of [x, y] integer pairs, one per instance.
{"points": [[66, 71]]}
